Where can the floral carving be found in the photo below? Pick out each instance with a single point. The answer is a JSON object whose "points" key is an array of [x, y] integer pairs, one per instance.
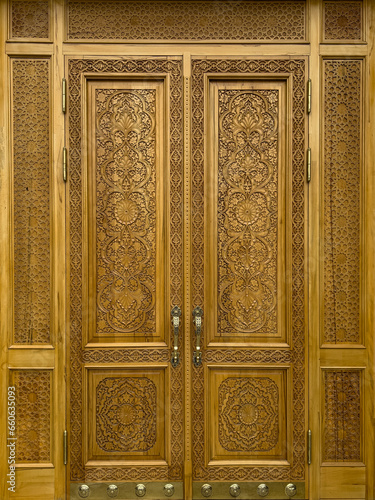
{"points": [[126, 414], [248, 414], [247, 210], [125, 146]]}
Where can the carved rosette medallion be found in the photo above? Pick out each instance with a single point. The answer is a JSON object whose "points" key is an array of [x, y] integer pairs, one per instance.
{"points": [[126, 414], [248, 414], [247, 210], [125, 217]]}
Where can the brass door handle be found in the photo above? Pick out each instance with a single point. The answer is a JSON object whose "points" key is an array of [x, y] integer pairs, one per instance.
{"points": [[197, 315], [176, 314]]}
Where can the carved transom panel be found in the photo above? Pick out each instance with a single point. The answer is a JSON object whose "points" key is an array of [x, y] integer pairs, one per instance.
{"points": [[248, 414], [247, 210], [29, 19], [125, 214], [343, 20], [126, 414]]}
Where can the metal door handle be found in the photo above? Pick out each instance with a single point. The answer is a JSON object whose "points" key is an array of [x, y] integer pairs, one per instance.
{"points": [[175, 313], [197, 315]]}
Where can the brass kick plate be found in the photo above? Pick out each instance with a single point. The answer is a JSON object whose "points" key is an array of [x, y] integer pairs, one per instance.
{"points": [[248, 490], [126, 491]]}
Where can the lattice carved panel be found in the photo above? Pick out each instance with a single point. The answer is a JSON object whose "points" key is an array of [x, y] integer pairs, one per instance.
{"points": [[33, 415], [342, 20], [186, 20], [125, 210], [200, 69], [29, 19], [247, 211], [342, 428], [31, 181], [342, 200], [125, 68]]}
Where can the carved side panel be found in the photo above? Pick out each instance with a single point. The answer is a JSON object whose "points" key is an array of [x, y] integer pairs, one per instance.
{"points": [[187, 20], [247, 211], [342, 199], [29, 19], [31, 174], [125, 211], [33, 415], [342, 436], [343, 20]]}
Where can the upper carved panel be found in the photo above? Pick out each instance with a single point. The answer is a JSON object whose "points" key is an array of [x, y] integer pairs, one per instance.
{"points": [[126, 414], [247, 211], [342, 200], [186, 20], [31, 170], [29, 19], [125, 212], [343, 20], [248, 414]]}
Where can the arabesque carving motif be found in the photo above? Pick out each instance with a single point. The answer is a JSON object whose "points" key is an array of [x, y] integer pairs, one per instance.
{"points": [[124, 67], [33, 415], [126, 414], [31, 168], [125, 211], [296, 68], [343, 20], [248, 414], [186, 20], [342, 416], [29, 19], [342, 200], [247, 211]]}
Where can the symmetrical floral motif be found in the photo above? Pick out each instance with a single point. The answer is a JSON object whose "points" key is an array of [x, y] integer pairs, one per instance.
{"points": [[342, 416], [31, 167], [29, 19], [125, 211], [123, 67], [247, 211], [296, 68], [126, 414], [33, 416], [343, 20], [342, 200], [248, 414], [186, 20]]}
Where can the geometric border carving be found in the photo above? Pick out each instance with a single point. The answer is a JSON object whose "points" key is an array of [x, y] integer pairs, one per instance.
{"points": [[296, 68]]}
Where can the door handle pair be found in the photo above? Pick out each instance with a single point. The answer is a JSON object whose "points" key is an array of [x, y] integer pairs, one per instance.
{"points": [[197, 320]]}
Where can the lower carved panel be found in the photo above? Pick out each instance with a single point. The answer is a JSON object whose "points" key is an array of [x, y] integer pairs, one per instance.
{"points": [[342, 416], [33, 415]]}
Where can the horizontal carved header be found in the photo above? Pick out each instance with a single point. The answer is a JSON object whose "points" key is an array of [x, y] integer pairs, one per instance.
{"points": [[186, 20]]}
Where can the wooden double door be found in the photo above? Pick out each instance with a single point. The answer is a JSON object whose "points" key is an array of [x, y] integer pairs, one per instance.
{"points": [[187, 341]]}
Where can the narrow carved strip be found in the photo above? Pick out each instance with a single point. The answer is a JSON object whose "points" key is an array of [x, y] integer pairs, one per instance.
{"points": [[33, 416], [343, 20], [342, 416], [29, 19], [342, 200], [31, 171], [187, 20]]}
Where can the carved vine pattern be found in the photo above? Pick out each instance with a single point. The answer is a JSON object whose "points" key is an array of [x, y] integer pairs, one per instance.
{"points": [[125, 211], [296, 68], [247, 211], [342, 200], [29, 19], [31, 167], [186, 20], [342, 416], [33, 416], [126, 414], [248, 414], [77, 67], [343, 20]]}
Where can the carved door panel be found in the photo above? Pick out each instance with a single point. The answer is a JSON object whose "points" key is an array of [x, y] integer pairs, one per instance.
{"points": [[125, 275], [249, 392]]}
